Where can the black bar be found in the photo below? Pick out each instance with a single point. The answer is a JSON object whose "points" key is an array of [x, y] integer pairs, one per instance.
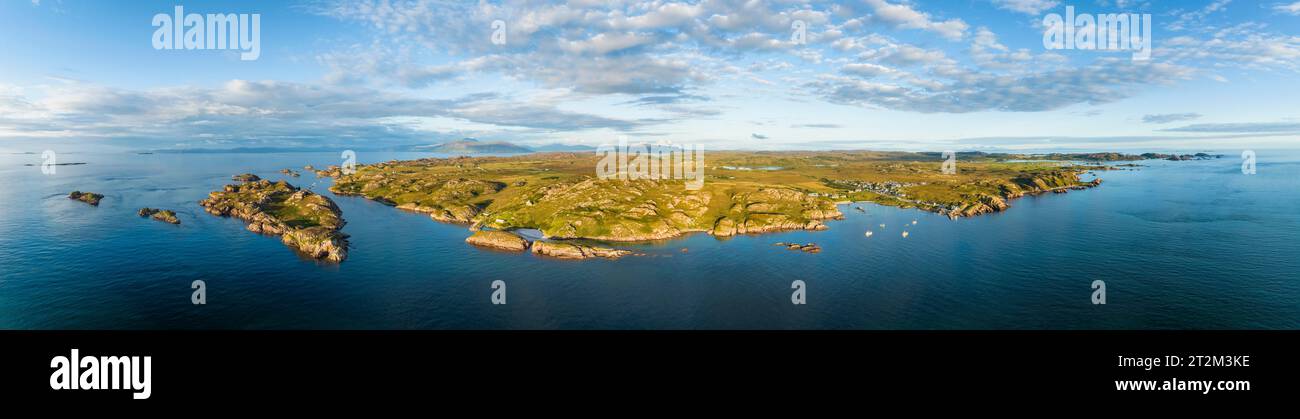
{"points": [[407, 366]]}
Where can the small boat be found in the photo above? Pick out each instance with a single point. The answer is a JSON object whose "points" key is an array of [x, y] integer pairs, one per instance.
{"points": [[905, 234], [882, 226], [913, 222], [869, 233]]}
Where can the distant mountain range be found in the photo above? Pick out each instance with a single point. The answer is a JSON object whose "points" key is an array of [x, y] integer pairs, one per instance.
{"points": [[462, 146], [472, 146]]}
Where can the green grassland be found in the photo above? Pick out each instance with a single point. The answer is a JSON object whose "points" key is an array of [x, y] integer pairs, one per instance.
{"points": [[743, 192]]}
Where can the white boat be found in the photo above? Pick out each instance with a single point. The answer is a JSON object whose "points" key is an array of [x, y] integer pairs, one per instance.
{"points": [[905, 234], [869, 233]]}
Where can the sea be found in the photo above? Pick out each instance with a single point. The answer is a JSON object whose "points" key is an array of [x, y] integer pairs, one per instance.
{"points": [[1176, 245]]}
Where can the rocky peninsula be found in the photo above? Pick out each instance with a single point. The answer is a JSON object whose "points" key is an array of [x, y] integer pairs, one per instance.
{"points": [[303, 220]]}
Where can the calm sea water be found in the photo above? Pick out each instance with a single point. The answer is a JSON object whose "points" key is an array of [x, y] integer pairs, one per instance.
{"points": [[1179, 245]]}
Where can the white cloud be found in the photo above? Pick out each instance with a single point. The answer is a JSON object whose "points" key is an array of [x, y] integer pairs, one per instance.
{"points": [[1166, 118], [866, 70], [1188, 19], [1291, 9], [1029, 7], [1102, 82], [905, 16], [269, 110]]}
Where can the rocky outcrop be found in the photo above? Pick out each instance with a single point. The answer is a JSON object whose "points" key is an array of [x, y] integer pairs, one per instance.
{"points": [[304, 220], [498, 240], [1060, 181], [809, 247], [507, 241], [774, 209], [318, 242], [166, 216], [455, 200], [331, 171], [87, 197], [576, 251], [289, 172], [246, 177], [984, 204]]}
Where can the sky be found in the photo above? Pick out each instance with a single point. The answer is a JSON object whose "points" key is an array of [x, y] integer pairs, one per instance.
{"points": [[918, 75]]}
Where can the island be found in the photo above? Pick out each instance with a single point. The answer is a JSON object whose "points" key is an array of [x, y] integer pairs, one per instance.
{"points": [[305, 221], [166, 216], [744, 192], [87, 197]]}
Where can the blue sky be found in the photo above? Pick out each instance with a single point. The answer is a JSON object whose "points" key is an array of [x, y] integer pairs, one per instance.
{"points": [[872, 74]]}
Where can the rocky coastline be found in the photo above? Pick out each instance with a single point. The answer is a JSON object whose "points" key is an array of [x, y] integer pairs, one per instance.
{"points": [[303, 220], [555, 194]]}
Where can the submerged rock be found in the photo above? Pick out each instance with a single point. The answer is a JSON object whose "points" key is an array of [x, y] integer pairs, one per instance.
{"points": [[498, 240], [87, 197]]}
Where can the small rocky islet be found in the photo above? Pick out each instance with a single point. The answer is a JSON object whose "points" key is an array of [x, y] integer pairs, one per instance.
{"points": [[166, 216], [246, 177], [502, 240], [304, 220], [87, 197]]}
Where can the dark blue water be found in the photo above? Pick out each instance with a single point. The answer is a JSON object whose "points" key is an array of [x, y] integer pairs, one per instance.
{"points": [[1179, 245]]}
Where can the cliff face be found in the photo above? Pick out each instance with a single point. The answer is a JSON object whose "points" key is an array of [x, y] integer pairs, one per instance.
{"points": [[304, 220]]}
